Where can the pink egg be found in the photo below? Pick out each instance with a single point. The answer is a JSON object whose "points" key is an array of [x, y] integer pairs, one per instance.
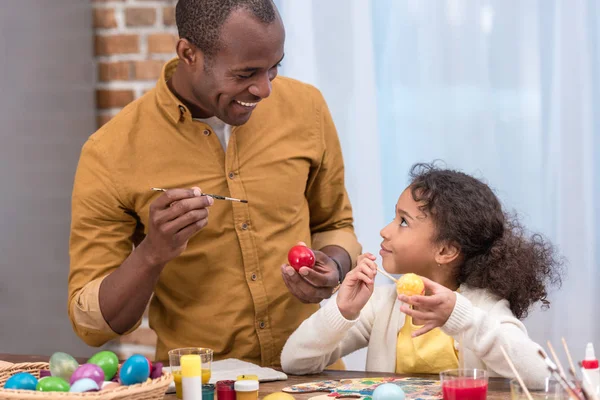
{"points": [[156, 370], [110, 386], [91, 371]]}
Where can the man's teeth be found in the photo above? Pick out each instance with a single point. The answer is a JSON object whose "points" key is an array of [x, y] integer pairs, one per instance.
{"points": [[246, 104]]}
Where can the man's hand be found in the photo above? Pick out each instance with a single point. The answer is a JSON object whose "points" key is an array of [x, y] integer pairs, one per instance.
{"points": [[312, 285], [176, 216]]}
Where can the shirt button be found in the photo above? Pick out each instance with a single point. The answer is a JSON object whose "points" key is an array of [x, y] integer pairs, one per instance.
{"points": [[244, 226], [231, 175], [253, 277], [206, 132], [262, 324], [182, 109]]}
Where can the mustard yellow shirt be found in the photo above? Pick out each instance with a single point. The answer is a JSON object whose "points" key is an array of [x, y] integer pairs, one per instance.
{"points": [[430, 353], [225, 291]]}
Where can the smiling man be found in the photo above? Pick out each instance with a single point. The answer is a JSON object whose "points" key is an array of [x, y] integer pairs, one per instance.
{"points": [[219, 121]]}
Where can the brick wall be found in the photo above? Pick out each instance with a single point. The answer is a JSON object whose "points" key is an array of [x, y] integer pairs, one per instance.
{"points": [[133, 39]]}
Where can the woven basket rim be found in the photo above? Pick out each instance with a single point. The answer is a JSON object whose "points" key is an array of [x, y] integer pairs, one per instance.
{"points": [[155, 384]]}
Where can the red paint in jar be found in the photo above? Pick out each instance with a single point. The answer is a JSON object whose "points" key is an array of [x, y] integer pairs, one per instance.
{"points": [[465, 389], [225, 390]]}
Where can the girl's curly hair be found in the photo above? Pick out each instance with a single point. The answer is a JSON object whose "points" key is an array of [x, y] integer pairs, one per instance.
{"points": [[497, 253]]}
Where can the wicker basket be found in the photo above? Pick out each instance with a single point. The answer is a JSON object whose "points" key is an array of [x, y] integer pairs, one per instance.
{"points": [[154, 390]]}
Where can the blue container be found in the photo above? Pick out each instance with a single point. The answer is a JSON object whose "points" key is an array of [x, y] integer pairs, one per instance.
{"points": [[208, 392]]}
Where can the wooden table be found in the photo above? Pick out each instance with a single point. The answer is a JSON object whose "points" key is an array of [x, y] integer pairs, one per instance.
{"points": [[498, 388]]}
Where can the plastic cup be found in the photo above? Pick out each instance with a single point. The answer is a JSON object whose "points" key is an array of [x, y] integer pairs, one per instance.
{"points": [[464, 384], [551, 391], [206, 357]]}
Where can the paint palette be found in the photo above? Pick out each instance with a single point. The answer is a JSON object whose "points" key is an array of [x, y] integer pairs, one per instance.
{"points": [[414, 388]]}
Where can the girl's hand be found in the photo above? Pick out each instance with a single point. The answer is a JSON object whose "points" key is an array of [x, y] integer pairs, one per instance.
{"points": [[432, 311], [357, 287]]}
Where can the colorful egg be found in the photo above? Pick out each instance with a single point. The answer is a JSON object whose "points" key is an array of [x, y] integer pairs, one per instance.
{"points": [[84, 385], [134, 370], [63, 365], [52, 384], [110, 385], [108, 361], [388, 391], [21, 381], [410, 284], [279, 396], [91, 371], [156, 370], [44, 373]]}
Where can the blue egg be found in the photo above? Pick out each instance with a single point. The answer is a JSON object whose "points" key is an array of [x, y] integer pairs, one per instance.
{"points": [[388, 391], [84, 385], [21, 381], [135, 370]]}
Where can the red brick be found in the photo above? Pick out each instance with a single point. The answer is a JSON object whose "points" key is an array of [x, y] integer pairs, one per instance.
{"points": [[113, 98], [162, 43], [102, 119], [114, 71], [169, 16], [117, 44], [147, 70], [104, 18], [140, 16]]}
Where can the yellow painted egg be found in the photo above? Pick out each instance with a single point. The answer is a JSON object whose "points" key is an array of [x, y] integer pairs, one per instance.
{"points": [[279, 396], [410, 285]]}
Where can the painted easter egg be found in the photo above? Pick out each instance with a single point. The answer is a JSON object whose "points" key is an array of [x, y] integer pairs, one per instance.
{"points": [[279, 396], [84, 385], [388, 391], [62, 365], [110, 385], [134, 370], [108, 361], [156, 370], [21, 381], [301, 256], [91, 371], [410, 285], [52, 384], [44, 373]]}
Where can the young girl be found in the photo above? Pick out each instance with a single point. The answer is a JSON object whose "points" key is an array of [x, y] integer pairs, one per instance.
{"points": [[481, 275]]}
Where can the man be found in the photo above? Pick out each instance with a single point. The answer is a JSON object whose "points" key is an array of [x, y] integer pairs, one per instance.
{"points": [[218, 122]]}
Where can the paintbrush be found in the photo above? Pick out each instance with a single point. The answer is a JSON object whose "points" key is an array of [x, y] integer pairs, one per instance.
{"points": [[516, 373], [214, 196], [387, 275], [561, 371], [572, 371], [562, 380]]}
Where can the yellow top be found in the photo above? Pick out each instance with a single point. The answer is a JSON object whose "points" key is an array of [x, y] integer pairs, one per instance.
{"points": [[247, 378], [225, 291], [191, 365], [430, 353]]}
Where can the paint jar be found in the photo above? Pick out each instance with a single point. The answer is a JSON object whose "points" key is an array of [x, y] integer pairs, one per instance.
{"points": [[225, 390], [246, 378], [208, 392], [246, 390]]}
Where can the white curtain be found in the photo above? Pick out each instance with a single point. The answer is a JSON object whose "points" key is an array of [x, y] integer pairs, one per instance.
{"points": [[502, 89]]}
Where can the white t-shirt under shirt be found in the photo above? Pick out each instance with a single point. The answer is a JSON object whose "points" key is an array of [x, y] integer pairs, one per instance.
{"points": [[221, 129]]}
